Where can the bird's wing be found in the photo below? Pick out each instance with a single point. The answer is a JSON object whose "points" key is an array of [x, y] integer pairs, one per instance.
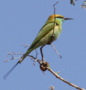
{"points": [[44, 30]]}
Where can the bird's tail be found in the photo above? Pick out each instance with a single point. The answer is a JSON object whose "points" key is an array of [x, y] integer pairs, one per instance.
{"points": [[21, 59], [25, 55]]}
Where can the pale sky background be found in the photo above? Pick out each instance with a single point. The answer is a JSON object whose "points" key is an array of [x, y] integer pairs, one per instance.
{"points": [[20, 21]]}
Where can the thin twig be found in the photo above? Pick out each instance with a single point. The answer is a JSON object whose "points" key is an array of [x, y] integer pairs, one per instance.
{"points": [[56, 51], [36, 57], [12, 57], [26, 46], [54, 15], [13, 53]]}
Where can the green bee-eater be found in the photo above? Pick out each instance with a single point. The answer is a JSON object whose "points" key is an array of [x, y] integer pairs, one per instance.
{"points": [[48, 33]]}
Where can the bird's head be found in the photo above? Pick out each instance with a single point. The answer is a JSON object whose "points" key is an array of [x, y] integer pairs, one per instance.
{"points": [[59, 18]]}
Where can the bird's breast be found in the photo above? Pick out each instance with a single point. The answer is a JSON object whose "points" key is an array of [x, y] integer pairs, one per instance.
{"points": [[57, 31], [51, 36]]}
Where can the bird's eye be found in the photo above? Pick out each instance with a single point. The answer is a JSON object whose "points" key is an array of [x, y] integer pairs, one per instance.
{"points": [[57, 24]]}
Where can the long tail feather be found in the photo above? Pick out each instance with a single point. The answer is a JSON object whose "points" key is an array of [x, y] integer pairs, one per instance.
{"points": [[5, 76], [21, 59]]}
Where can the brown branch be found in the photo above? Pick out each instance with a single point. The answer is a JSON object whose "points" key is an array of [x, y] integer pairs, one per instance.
{"points": [[56, 51], [54, 5], [57, 76], [45, 66]]}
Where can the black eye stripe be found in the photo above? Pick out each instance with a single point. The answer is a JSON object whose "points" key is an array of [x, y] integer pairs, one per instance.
{"points": [[58, 17]]}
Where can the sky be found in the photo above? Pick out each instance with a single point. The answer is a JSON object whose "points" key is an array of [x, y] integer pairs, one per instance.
{"points": [[20, 21]]}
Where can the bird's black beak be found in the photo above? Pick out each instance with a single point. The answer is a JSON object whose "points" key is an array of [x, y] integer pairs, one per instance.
{"points": [[68, 18]]}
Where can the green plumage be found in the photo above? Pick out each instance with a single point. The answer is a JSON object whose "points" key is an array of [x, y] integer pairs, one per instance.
{"points": [[48, 33], [45, 35]]}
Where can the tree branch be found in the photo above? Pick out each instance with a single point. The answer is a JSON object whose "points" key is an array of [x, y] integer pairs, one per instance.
{"points": [[45, 66]]}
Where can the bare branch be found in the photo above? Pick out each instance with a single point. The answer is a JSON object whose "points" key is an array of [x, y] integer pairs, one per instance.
{"points": [[26, 46], [12, 56], [54, 5], [57, 76], [45, 66], [56, 51]]}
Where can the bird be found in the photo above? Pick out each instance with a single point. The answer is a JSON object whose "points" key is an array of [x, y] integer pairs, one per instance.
{"points": [[47, 34]]}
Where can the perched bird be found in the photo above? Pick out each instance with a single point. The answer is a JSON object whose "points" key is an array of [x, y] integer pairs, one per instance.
{"points": [[48, 33]]}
